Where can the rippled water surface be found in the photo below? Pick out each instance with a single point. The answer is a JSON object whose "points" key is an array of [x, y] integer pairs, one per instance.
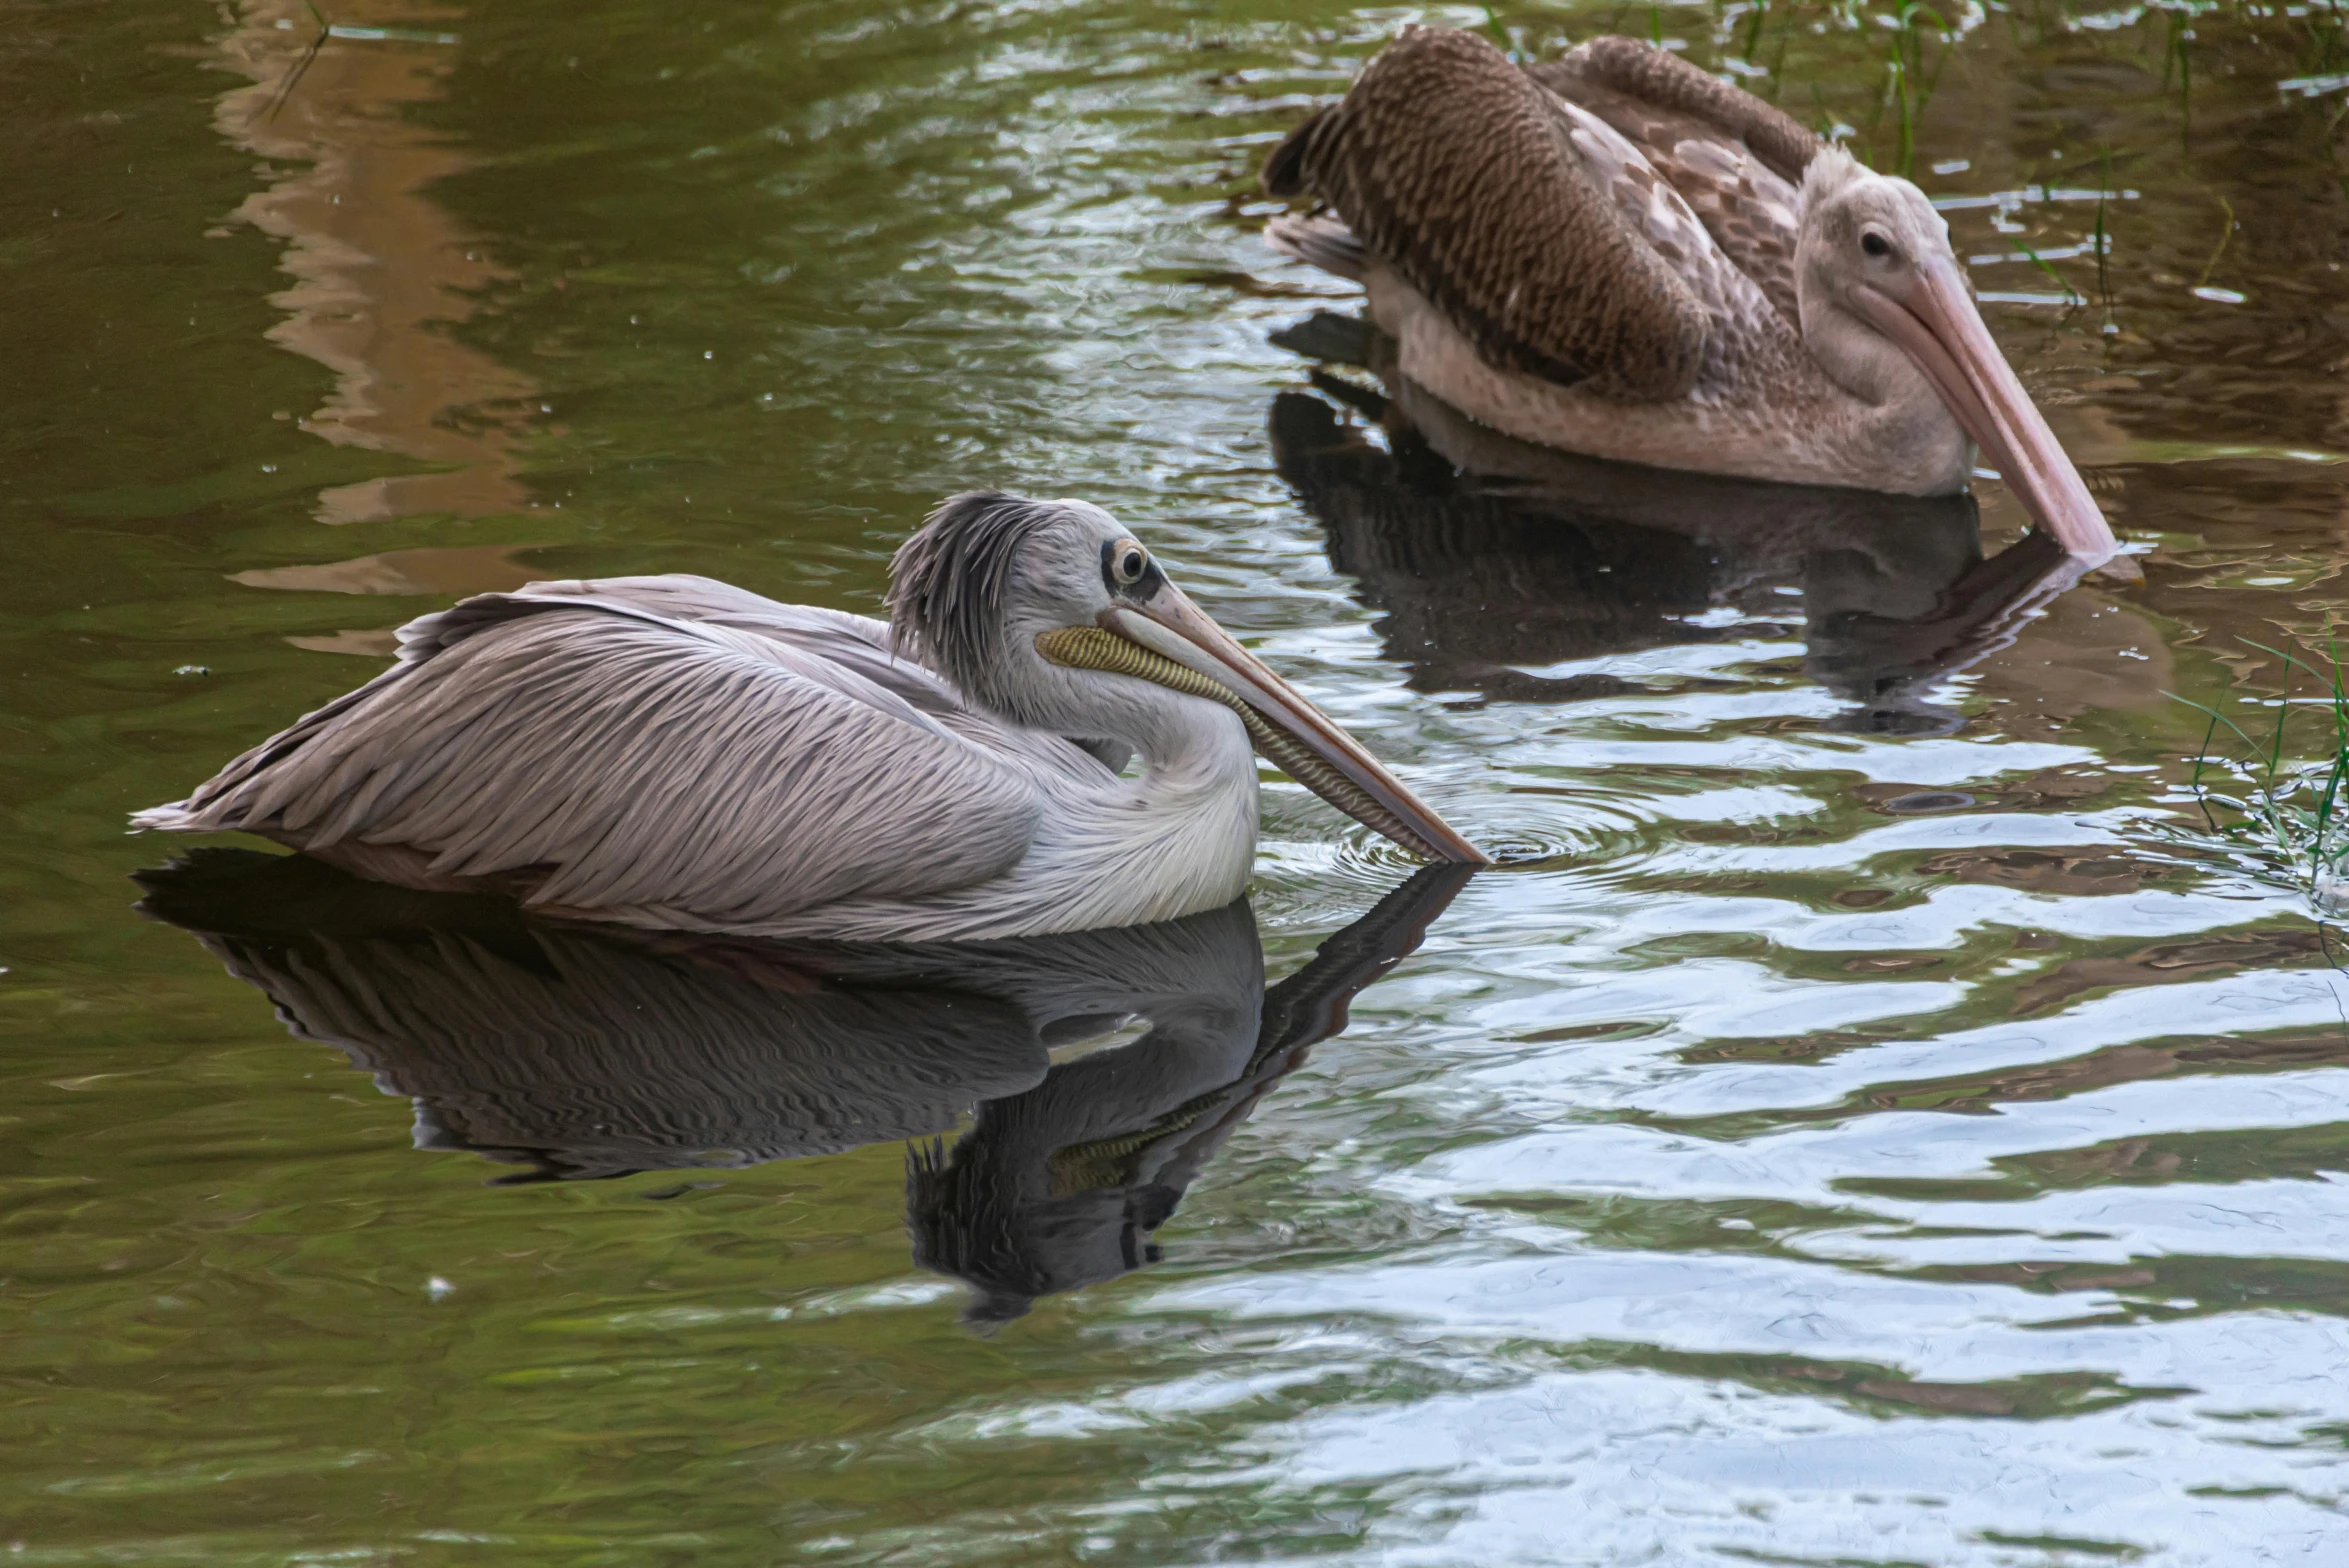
{"points": [[1878, 1123]]}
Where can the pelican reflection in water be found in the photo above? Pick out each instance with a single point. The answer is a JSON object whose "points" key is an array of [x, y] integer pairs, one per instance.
{"points": [[1491, 558], [674, 752], [585, 1051], [1615, 254]]}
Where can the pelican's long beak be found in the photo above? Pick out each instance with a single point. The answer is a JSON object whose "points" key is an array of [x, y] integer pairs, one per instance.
{"points": [[1937, 325], [1168, 623]]}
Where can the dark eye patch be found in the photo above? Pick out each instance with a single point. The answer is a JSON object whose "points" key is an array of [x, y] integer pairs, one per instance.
{"points": [[1128, 571]]}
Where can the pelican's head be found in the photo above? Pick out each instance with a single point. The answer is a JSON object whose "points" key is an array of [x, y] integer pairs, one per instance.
{"points": [[1052, 614], [1884, 306]]}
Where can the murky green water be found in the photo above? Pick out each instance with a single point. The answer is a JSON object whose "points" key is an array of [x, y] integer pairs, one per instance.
{"points": [[1885, 1128]]}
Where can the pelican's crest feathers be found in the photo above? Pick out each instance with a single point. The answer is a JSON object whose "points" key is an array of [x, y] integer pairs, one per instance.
{"points": [[947, 583], [1829, 174]]}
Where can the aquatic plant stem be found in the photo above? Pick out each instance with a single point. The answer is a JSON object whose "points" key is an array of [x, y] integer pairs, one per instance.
{"points": [[2226, 233], [2104, 238], [285, 88], [2071, 295]]}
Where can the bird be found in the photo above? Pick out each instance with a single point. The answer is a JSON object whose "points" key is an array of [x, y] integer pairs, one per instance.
{"points": [[1613, 253], [675, 752]]}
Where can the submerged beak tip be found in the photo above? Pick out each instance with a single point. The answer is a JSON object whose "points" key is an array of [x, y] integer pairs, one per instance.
{"points": [[1941, 329], [2121, 567]]}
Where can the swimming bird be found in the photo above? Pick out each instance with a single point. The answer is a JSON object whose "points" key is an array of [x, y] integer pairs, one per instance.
{"points": [[1616, 254], [675, 752]]}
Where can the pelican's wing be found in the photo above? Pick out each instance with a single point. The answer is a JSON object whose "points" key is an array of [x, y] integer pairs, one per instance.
{"points": [[601, 755], [1466, 177], [1653, 210], [854, 643], [1736, 161], [851, 642], [1663, 99]]}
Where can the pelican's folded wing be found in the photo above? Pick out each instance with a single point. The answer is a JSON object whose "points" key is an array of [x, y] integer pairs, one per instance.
{"points": [[663, 769], [1461, 172], [857, 643], [1737, 161], [1656, 98]]}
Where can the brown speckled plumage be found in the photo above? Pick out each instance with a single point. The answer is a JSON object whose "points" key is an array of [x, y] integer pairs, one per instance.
{"points": [[1655, 84], [1615, 254], [1704, 137], [1488, 211], [1599, 253]]}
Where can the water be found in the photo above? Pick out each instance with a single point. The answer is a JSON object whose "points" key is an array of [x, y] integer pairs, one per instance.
{"points": [[1882, 1124]]}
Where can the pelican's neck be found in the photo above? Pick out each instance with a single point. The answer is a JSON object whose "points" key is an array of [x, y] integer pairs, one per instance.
{"points": [[1177, 838], [1180, 738], [1897, 413], [1183, 737]]}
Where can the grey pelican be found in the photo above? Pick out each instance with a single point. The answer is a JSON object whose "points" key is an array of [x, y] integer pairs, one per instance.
{"points": [[583, 1052], [674, 752], [1615, 254]]}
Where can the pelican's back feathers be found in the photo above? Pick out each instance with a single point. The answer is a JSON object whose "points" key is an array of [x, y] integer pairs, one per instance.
{"points": [[1456, 168], [667, 750]]}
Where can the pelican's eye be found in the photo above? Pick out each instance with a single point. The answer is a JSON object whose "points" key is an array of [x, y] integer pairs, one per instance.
{"points": [[1875, 244], [1127, 562]]}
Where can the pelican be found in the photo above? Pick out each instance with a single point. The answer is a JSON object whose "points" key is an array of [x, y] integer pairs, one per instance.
{"points": [[673, 752], [1615, 254]]}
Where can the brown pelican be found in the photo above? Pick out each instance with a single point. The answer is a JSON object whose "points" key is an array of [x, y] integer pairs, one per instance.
{"points": [[674, 752], [1615, 254]]}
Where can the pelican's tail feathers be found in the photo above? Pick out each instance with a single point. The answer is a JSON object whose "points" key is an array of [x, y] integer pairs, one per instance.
{"points": [[1318, 242], [172, 818]]}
